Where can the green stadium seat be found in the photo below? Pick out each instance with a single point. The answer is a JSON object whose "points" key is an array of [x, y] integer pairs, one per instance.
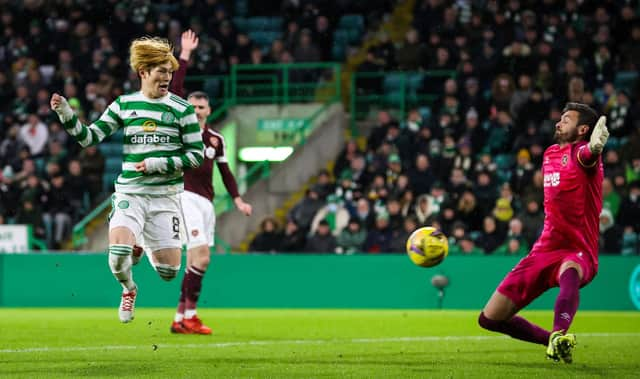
{"points": [[351, 21], [414, 81], [241, 7], [264, 38], [338, 52], [504, 161], [107, 181], [113, 165], [625, 80], [264, 24], [393, 82], [110, 149], [241, 24], [40, 165], [393, 98]]}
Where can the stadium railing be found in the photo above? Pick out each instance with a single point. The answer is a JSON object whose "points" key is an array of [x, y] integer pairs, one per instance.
{"points": [[394, 91], [252, 84]]}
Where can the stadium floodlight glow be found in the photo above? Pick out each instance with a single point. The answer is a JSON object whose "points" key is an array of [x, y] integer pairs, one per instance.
{"points": [[259, 154]]}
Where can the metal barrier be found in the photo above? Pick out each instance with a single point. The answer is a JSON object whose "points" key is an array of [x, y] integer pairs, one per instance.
{"points": [[395, 91], [254, 84]]}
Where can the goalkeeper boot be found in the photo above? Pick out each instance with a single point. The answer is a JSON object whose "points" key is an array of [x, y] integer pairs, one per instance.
{"points": [[136, 254], [127, 305], [564, 347], [195, 325], [560, 346]]}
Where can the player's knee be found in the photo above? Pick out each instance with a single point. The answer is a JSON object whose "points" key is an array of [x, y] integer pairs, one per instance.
{"points": [[119, 257], [167, 272], [203, 262]]}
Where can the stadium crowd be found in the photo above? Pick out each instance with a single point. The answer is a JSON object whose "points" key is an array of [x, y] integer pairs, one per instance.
{"points": [[469, 164], [46, 180]]}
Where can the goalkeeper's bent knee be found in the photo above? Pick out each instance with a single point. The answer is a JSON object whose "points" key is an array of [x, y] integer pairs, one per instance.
{"points": [[167, 272]]}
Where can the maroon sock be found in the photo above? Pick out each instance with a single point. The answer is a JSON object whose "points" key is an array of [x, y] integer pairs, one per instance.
{"points": [[193, 285], [181, 301], [517, 327], [568, 300]]}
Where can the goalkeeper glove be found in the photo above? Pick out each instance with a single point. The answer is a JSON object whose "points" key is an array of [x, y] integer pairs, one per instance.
{"points": [[63, 109], [599, 136]]}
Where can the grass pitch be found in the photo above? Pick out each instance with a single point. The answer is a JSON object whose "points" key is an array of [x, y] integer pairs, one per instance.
{"points": [[56, 343]]}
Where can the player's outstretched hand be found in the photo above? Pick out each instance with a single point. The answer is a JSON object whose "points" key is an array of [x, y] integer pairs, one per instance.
{"points": [[599, 136], [188, 42], [243, 207], [152, 165], [60, 105]]}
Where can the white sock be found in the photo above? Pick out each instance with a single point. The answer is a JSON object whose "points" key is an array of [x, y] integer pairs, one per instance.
{"points": [[178, 317], [120, 264], [189, 313]]}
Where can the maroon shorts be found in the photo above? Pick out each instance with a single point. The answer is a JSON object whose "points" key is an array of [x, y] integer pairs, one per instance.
{"points": [[539, 271]]}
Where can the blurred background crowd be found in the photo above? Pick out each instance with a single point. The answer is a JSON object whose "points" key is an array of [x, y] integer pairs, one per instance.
{"points": [[468, 163]]}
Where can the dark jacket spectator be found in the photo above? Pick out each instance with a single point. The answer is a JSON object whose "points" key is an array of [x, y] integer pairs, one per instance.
{"points": [[269, 238], [351, 239], [322, 241], [293, 238]]}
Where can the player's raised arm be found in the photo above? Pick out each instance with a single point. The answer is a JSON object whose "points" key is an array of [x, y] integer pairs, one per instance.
{"points": [[188, 43], [86, 135], [588, 155]]}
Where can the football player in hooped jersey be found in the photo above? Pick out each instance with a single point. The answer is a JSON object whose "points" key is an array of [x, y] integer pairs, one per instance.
{"points": [[197, 201], [566, 254], [161, 140]]}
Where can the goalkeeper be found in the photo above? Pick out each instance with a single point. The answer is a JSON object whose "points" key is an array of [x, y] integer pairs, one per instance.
{"points": [[566, 254], [161, 139]]}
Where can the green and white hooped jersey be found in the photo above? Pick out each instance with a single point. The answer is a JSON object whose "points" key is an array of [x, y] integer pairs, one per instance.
{"points": [[166, 127]]}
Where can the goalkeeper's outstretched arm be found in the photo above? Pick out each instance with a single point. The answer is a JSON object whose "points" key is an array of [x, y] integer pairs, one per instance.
{"points": [[86, 135], [588, 155]]}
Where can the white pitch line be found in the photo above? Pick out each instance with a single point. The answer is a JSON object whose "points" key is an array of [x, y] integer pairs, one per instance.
{"points": [[283, 342]]}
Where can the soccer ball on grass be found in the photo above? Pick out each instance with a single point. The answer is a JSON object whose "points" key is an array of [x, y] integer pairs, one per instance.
{"points": [[427, 246]]}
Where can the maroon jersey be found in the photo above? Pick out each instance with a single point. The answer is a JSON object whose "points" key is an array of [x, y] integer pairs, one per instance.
{"points": [[572, 200], [200, 179]]}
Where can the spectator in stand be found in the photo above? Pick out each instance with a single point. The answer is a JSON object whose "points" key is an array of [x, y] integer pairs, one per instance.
{"points": [[268, 239], [293, 238], [611, 234], [421, 178], [351, 239], [630, 208], [399, 238], [35, 135], [465, 246], [322, 241], [92, 164], [490, 238], [58, 210], [379, 238], [78, 187], [304, 211]]}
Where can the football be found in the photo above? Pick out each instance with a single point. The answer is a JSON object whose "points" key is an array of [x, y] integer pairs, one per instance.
{"points": [[427, 246]]}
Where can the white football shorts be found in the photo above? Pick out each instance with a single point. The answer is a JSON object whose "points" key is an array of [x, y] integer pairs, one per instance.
{"points": [[153, 219], [199, 219]]}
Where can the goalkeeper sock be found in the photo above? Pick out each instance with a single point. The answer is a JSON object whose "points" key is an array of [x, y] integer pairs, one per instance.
{"points": [[120, 264], [567, 301], [517, 327]]}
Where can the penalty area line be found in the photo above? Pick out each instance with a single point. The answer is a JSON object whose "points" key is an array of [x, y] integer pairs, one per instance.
{"points": [[219, 345]]}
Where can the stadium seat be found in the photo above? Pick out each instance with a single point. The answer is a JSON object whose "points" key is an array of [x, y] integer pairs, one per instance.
{"points": [[111, 149], [113, 165], [263, 38], [107, 181], [273, 24], [393, 98], [338, 51], [241, 24], [394, 82], [504, 161], [625, 80], [351, 21], [414, 81]]}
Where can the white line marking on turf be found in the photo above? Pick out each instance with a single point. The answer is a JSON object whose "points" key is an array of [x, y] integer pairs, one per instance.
{"points": [[283, 342]]}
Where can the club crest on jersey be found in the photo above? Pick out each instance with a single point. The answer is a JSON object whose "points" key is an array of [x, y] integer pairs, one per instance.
{"points": [[565, 159], [195, 232], [149, 126], [210, 152], [167, 117]]}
